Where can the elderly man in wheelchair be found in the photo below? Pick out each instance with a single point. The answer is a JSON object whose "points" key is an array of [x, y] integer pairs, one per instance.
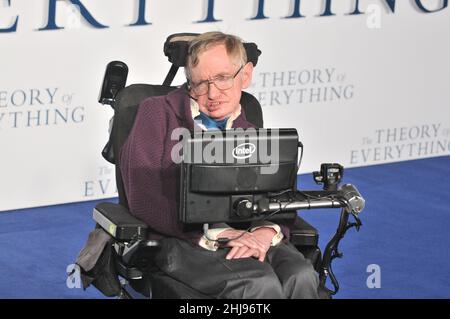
{"points": [[199, 230]]}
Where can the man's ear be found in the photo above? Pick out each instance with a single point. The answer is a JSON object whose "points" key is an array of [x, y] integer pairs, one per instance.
{"points": [[247, 72]]}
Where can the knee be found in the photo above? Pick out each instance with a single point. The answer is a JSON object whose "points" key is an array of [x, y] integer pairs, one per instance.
{"points": [[265, 285], [269, 287], [307, 275], [304, 282]]}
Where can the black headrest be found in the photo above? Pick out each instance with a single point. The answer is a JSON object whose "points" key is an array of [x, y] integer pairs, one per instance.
{"points": [[176, 48]]}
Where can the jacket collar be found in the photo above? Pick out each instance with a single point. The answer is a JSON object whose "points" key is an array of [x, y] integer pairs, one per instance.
{"points": [[179, 102]]}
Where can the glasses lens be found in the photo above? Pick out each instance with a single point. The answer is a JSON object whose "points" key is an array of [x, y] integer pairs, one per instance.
{"points": [[224, 83], [201, 88]]}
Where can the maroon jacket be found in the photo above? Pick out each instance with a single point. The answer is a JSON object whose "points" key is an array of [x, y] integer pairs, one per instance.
{"points": [[150, 178]]}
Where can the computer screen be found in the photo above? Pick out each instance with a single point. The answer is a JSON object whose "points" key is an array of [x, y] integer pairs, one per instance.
{"points": [[221, 169]]}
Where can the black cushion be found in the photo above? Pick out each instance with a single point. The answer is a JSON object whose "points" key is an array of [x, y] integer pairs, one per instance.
{"points": [[177, 45], [303, 234]]}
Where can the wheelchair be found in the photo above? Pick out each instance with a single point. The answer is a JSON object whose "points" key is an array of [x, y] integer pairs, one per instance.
{"points": [[125, 268]]}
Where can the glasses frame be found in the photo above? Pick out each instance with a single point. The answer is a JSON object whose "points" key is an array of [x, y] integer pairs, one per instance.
{"points": [[192, 86]]}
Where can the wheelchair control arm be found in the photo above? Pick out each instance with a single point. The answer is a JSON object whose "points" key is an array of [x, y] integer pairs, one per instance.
{"points": [[119, 223], [345, 197]]}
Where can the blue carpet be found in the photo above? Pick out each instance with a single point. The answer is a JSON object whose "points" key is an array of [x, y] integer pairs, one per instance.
{"points": [[405, 232], [38, 245]]}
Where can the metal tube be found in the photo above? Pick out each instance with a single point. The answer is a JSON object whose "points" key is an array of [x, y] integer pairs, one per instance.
{"points": [[305, 204]]}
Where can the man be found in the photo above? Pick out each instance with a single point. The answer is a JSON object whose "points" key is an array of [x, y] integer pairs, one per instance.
{"points": [[255, 263]]}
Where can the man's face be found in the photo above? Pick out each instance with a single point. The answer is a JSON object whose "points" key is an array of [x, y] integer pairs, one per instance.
{"points": [[213, 63]]}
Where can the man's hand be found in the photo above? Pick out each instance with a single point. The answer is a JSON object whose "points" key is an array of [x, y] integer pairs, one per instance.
{"points": [[255, 244]]}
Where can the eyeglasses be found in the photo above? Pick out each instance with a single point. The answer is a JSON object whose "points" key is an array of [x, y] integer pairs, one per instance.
{"points": [[221, 82]]}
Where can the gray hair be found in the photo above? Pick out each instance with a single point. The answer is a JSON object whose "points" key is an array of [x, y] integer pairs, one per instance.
{"points": [[205, 41]]}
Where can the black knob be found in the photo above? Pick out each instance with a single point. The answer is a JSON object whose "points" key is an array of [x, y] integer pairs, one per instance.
{"points": [[243, 208]]}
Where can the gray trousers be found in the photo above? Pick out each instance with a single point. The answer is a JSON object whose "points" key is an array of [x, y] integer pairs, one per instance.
{"points": [[284, 274]]}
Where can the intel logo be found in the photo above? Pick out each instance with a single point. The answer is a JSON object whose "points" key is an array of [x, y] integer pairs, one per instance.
{"points": [[244, 150]]}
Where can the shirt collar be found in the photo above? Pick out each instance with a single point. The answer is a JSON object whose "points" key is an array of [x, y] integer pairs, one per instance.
{"points": [[195, 110]]}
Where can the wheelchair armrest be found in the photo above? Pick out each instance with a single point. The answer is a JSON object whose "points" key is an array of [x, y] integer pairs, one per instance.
{"points": [[303, 234], [116, 220]]}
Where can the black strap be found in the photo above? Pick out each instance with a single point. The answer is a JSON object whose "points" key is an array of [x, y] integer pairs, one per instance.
{"points": [[170, 75]]}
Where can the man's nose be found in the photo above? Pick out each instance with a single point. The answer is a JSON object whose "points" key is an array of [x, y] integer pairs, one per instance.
{"points": [[213, 91]]}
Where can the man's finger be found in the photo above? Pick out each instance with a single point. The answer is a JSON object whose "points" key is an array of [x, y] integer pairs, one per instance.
{"points": [[262, 256], [241, 252], [251, 253], [232, 252], [235, 243], [250, 242]]}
